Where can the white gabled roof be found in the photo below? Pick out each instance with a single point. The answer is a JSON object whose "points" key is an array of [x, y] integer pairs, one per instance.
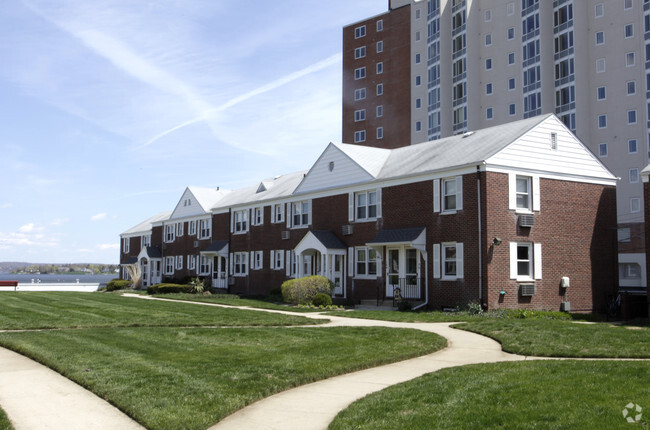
{"points": [[275, 188], [145, 226], [197, 201]]}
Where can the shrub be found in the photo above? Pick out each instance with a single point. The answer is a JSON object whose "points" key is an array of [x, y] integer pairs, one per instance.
{"points": [[474, 308], [321, 299], [118, 284], [169, 289], [404, 306], [197, 285], [302, 291]]}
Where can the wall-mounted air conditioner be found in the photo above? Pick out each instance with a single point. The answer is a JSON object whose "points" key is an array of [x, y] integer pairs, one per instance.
{"points": [[286, 234], [526, 220], [527, 290], [347, 229]]}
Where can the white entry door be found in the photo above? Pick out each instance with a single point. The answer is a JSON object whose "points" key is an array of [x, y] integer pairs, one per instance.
{"points": [[393, 270], [338, 274]]}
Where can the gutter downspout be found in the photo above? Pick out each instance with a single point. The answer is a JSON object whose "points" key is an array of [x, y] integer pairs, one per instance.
{"points": [[480, 233]]}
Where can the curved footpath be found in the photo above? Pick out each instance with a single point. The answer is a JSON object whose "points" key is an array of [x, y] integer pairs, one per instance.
{"points": [[35, 397]]}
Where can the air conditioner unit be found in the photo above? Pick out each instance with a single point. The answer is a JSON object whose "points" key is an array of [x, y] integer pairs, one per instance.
{"points": [[348, 229], [527, 290], [231, 281], [286, 234], [196, 243], [526, 220]]}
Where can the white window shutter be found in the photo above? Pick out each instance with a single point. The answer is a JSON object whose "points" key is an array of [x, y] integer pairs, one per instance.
{"points": [[288, 263], [378, 202], [273, 218], [261, 214], [350, 207], [231, 263], [309, 212], [460, 271], [272, 259], [513, 260], [512, 192], [252, 259], [436, 261], [350, 261], [232, 222], [459, 194], [436, 195], [536, 194], [537, 255], [261, 259], [281, 260], [288, 215]]}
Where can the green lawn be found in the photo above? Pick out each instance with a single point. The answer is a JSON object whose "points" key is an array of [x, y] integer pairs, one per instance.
{"points": [[190, 378], [515, 395], [4, 421], [394, 316], [554, 338], [34, 310], [231, 301]]}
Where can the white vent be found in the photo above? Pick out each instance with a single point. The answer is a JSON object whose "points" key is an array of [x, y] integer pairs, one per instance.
{"points": [[527, 290], [231, 281], [526, 220], [348, 229], [286, 234]]}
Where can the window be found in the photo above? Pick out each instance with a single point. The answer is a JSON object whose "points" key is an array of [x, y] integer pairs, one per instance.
{"points": [[257, 260], [487, 17], [179, 262], [624, 234], [631, 87], [360, 73], [277, 259], [278, 213], [380, 132], [170, 232], [240, 263], [126, 245], [360, 32], [366, 259], [489, 113], [359, 52], [628, 4], [417, 36], [488, 64], [635, 205], [418, 103], [418, 81], [359, 136], [205, 228], [524, 260], [258, 216], [380, 89], [629, 31], [359, 94], [629, 271], [179, 229], [601, 93], [417, 13], [600, 65], [241, 221], [510, 8], [380, 111], [512, 109], [602, 150], [169, 265], [629, 59], [510, 33], [449, 260], [418, 125], [380, 25], [366, 205], [145, 240], [191, 262], [523, 193], [380, 68], [602, 121], [359, 115], [488, 39], [449, 194], [511, 84], [511, 58], [632, 147], [600, 38], [380, 46], [631, 117], [301, 213], [634, 176], [205, 265], [488, 88], [192, 228], [599, 10]]}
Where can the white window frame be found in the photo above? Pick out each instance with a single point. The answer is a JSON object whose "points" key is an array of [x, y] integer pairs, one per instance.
{"points": [[205, 265], [489, 113], [359, 73], [600, 38], [380, 46], [630, 88], [278, 213], [359, 136], [180, 227], [534, 261], [380, 25], [301, 212], [240, 221], [277, 259], [365, 263], [601, 65], [379, 68], [359, 115], [458, 261], [204, 228], [379, 111], [380, 89], [145, 240], [488, 39], [604, 88], [179, 262], [628, 4], [634, 176], [359, 52], [170, 233], [628, 30], [191, 262], [629, 146], [604, 121], [635, 205], [599, 10], [631, 117], [630, 59], [240, 264], [258, 215], [363, 207], [192, 228], [603, 150], [169, 265], [360, 32], [533, 193], [257, 260], [360, 94], [380, 133], [126, 245], [510, 33]]}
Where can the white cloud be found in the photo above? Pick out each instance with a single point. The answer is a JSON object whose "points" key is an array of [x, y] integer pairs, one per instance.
{"points": [[29, 228], [98, 217], [59, 222], [105, 246], [6, 205]]}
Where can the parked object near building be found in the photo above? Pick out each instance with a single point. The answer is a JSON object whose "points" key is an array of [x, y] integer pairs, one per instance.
{"points": [[499, 216]]}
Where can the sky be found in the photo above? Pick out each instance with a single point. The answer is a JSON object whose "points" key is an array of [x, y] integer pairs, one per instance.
{"points": [[110, 109]]}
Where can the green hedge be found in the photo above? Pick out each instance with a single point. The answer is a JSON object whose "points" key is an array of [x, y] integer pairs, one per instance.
{"points": [[303, 290], [118, 284], [169, 289]]}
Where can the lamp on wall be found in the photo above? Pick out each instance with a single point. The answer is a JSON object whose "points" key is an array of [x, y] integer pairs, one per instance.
{"points": [[496, 241]]}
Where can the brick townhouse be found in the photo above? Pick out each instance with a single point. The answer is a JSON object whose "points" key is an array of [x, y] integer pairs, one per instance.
{"points": [[518, 215]]}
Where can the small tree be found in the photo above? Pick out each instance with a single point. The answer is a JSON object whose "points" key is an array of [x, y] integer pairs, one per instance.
{"points": [[135, 273]]}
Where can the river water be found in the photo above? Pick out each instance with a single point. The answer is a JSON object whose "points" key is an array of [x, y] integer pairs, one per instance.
{"points": [[57, 278]]}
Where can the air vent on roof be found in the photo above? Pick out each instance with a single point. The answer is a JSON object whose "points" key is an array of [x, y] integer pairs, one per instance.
{"points": [[526, 220], [286, 234], [527, 290], [348, 229], [467, 134]]}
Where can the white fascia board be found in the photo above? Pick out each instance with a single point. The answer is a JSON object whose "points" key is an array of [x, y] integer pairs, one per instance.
{"points": [[558, 176]]}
